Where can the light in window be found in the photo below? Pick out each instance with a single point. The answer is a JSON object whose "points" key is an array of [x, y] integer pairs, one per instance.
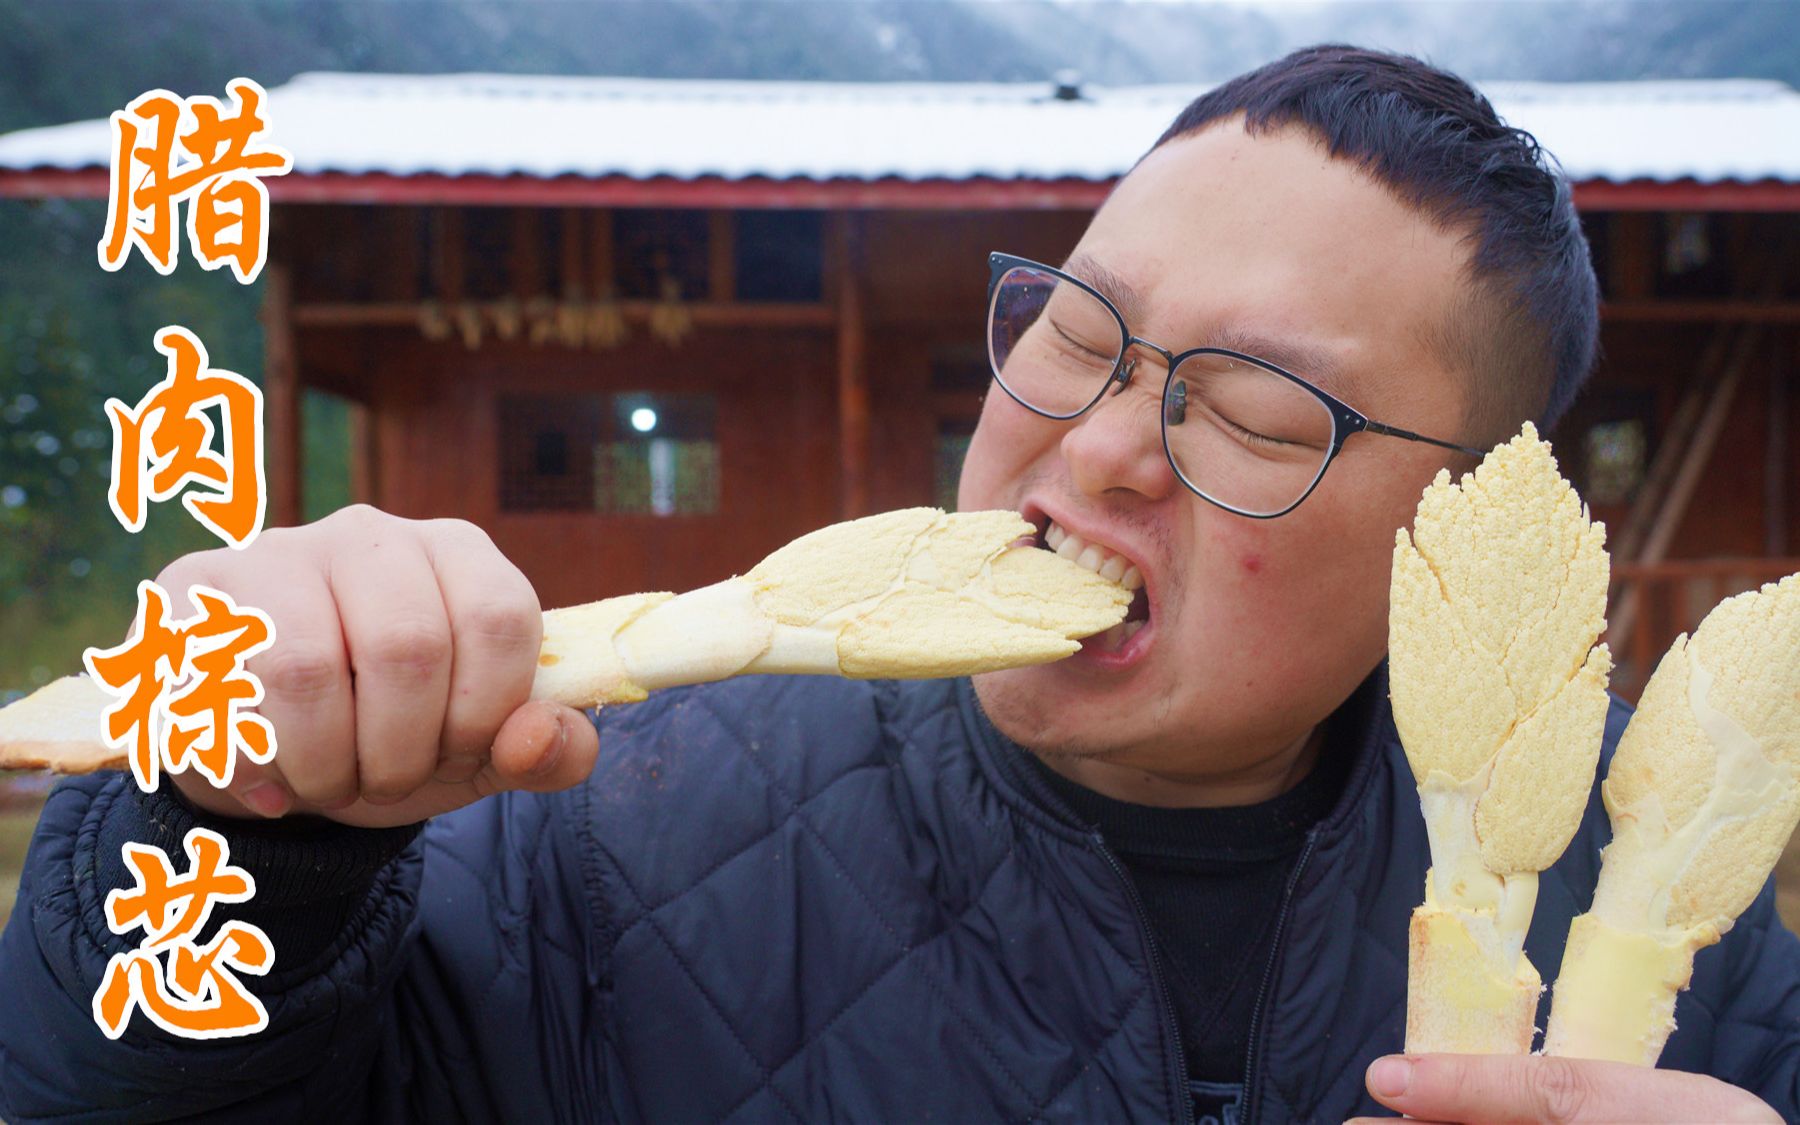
{"points": [[636, 453], [662, 458]]}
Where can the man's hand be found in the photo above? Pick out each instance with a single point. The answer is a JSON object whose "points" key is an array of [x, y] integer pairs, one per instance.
{"points": [[404, 654], [1499, 1088]]}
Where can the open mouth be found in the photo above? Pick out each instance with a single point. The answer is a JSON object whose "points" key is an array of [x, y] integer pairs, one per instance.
{"points": [[1109, 564]]}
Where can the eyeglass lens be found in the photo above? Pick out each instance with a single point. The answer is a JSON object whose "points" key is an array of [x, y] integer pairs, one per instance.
{"points": [[1238, 432]]}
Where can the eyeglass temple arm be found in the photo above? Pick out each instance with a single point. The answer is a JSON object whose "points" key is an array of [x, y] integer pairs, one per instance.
{"points": [[1395, 431]]}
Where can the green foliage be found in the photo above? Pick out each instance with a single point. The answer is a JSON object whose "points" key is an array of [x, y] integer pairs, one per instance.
{"points": [[325, 453], [54, 459], [71, 336]]}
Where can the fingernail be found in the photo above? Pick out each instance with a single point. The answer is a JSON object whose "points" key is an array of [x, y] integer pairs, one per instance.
{"points": [[267, 799], [552, 755], [1390, 1076]]}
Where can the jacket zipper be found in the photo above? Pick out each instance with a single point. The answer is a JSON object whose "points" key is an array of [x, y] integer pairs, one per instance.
{"points": [[1184, 1099], [1253, 1089]]}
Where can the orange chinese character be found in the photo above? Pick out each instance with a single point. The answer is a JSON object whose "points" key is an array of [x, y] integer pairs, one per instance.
{"points": [[183, 695], [205, 723], [219, 181], [158, 888], [208, 1000], [168, 437]]}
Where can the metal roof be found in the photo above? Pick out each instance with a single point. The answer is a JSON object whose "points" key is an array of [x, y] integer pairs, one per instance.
{"points": [[477, 125]]}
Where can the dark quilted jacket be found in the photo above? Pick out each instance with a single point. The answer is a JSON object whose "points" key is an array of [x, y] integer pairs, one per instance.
{"points": [[797, 899]]}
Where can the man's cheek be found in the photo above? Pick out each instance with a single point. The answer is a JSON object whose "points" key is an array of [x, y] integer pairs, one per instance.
{"points": [[981, 484], [1249, 555], [995, 463], [1254, 594], [1283, 582]]}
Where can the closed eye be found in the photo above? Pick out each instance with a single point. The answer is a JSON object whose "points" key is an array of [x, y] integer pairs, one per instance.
{"points": [[1077, 344], [1251, 437]]}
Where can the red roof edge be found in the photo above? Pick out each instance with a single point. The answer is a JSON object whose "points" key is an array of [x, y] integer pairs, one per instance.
{"points": [[972, 194], [978, 194], [1687, 195]]}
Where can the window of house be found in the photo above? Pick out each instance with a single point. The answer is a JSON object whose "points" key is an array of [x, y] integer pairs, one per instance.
{"points": [[627, 453], [1615, 455], [659, 457], [487, 252], [1689, 260], [651, 245], [779, 255], [953, 436]]}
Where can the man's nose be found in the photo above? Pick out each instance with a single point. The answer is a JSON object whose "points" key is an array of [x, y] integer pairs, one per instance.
{"points": [[1118, 442]]}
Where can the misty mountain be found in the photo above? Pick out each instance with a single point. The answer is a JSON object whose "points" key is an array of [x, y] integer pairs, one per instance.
{"points": [[83, 58]]}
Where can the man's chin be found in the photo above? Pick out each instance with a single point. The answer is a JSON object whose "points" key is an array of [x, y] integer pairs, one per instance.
{"points": [[1031, 707]]}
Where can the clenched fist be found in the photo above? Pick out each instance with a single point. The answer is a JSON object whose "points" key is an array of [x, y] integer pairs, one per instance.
{"points": [[397, 684]]}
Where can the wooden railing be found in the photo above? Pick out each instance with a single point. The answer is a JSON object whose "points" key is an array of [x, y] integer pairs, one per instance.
{"points": [[1671, 598]]}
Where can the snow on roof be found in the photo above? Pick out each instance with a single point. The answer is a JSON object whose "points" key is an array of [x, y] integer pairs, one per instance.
{"points": [[468, 124]]}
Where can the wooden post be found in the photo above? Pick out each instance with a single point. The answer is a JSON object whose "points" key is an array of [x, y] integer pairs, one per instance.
{"points": [[448, 254], [281, 400], [721, 262], [1775, 462], [601, 277], [525, 259], [1633, 268], [396, 235], [573, 283], [852, 374]]}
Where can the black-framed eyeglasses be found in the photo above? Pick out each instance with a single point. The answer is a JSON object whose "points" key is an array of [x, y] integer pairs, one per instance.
{"points": [[1239, 431]]}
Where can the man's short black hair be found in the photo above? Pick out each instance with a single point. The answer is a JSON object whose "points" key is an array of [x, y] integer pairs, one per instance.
{"points": [[1528, 330]]}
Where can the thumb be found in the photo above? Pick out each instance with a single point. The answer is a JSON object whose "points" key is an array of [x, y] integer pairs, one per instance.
{"points": [[542, 747]]}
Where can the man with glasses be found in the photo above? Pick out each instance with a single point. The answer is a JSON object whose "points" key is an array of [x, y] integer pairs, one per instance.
{"points": [[1165, 879], [1328, 281]]}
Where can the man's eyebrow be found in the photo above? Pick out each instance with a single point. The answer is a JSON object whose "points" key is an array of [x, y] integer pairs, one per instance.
{"points": [[1114, 288], [1312, 362]]}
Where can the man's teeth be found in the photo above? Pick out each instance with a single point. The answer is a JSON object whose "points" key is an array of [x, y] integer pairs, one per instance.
{"points": [[1097, 559], [1106, 564], [1114, 638]]}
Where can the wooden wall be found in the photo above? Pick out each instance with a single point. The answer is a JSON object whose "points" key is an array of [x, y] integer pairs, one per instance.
{"points": [[431, 416], [436, 442]]}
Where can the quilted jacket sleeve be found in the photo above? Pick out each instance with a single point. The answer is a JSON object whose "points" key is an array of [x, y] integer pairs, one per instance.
{"points": [[1754, 1007], [432, 978]]}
